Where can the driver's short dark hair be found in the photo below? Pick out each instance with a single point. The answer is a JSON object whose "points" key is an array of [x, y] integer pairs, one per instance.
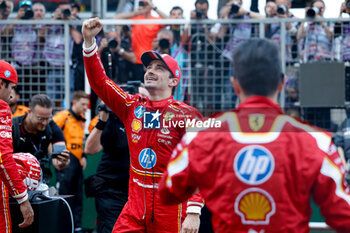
{"points": [[257, 67]]}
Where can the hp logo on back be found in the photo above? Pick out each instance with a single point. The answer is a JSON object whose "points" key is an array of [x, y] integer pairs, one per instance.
{"points": [[254, 165]]}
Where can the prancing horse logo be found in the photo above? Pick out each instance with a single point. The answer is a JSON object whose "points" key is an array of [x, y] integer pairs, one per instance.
{"points": [[256, 121]]}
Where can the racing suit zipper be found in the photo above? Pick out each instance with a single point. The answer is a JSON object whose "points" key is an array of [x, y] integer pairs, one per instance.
{"points": [[152, 217], [143, 188]]}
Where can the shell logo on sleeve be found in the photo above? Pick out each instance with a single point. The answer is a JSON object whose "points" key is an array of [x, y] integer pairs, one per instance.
{"points": [[255, 206], [136, 125]]}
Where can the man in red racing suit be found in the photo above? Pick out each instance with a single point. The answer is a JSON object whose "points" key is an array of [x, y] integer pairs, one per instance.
{"points": [[10, 179], [150, 144], [258, 172]]}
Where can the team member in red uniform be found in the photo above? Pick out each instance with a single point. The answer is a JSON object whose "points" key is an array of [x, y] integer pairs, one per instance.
{"points": [[150, 149], [10, 179], [258, 172]]}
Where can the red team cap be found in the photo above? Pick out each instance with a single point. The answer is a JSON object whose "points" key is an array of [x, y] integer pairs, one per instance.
{"points": [[8, 72], [170, 62]]}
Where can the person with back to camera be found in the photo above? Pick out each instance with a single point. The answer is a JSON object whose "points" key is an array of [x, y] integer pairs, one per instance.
{"points": [[150, 147], [11, 182], [259, 171]]}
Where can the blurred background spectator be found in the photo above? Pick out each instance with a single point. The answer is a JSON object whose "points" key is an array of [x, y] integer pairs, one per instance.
{"points": [[176, 13], [241, 31], [342, 34], [117, 57], [17, 109], [39, 11], [316, 36], [165, 44], [142, 35], [6, 8], [270, 9], [198, 40], [77, 76], [53, 52], [70, 179], [273, 31]]}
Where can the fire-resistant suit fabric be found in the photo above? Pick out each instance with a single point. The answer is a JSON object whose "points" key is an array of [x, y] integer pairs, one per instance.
{"points": [[150, 151], [11, 182], [259, 171]]}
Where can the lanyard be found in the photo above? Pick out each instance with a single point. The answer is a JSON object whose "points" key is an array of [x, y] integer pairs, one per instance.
{"points": [[35, 148]]}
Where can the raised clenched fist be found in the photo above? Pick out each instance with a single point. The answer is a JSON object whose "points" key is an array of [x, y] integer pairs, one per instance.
{"points": [[91, 28]]}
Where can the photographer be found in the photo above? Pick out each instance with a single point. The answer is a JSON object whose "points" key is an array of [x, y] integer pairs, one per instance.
{"points": [[200, 12], [342, 30], [53, 52], [164, 44], [25, 10], [142, 35], [198, 41], [6, 7], [24, 41], [238, 32], [317, 36], [273, 31], [116, 54]]}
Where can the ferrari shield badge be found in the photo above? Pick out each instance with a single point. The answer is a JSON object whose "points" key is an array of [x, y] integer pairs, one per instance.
{"points": [[256, 121]]}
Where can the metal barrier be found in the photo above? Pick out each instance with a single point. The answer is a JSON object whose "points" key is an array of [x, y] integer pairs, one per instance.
{"points": [[205, 66]]}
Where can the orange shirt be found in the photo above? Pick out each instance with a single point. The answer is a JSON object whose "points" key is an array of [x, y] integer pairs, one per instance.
{"points": [[93, 123], [73, 131], [20, 111], [143, 36]]}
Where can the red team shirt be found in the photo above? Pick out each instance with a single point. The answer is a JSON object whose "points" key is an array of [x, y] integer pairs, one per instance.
{"points": [[10, 179], [258, 173]]}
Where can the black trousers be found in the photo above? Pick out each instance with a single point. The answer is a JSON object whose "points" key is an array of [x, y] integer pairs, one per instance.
{"points": [[70, 181], [109, 203]]}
